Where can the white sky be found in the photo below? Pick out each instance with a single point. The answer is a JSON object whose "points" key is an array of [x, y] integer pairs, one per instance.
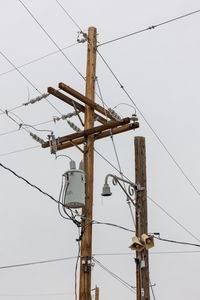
{"points": [[160, 70]]}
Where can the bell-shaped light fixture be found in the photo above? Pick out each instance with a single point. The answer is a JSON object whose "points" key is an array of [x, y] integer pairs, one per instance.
{"points": [[106, 192]]}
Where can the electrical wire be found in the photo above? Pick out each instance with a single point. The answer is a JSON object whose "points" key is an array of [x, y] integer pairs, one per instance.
{"points": [[26, 78], [53, 41], [150, 27], [34, 295], [123, 282], [76, 266], [151, 128], [115, 150], [111, 224], [177, 222], [75, 23], [152, 291], [44, 193], [36, 262], [176, 242], [38, 59], [19, 150]]}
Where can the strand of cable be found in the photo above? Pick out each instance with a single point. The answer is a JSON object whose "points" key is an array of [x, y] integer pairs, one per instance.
{"points": [[111, 224], [36, 262], [41, 191], [122, 281], [54, 120], [34, 136], [175, 242], [38, 59], [171, 217], [151, 128], [34, 295], [76, 265], [152, 291], [112, 139], [18, 151], [26, 78], [150, 27], [75, 23], [53, 41], [94, 255]]}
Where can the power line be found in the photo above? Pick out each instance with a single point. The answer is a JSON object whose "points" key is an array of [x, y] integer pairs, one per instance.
{"points": [[177, 222], [18, 151], [47, 34], [75, 23], [34, 295], [26, 78], [38, 59], [44, 193], [176, 242], [122, 281], [150, 27], [151, 128], [36, 262], [111, 224]]}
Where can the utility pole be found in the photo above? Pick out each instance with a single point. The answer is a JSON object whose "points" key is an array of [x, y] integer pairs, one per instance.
{"points": [[86, 243], [109, 125], [142, 258]]}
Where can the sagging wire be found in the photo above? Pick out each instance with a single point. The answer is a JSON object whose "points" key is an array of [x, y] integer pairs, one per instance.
{"points": [[62, 209], [122, 281], [117, 117]]}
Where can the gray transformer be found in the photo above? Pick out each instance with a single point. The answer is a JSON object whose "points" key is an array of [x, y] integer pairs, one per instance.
{"points": [[74, 188]]}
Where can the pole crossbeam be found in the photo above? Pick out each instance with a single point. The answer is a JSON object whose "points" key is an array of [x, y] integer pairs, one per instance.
{"points": [[98, 136], [85, 133], [86, 100], [72, 102]]}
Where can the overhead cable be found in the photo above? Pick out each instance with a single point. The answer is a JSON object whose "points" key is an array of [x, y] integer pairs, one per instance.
{"points": [[122, 281], [36, 262], [177, 222], [38, 59], [151, 128], [53, 41], [75, 23], [176, 242], [26, 78], [150, 27], [41, 191]]}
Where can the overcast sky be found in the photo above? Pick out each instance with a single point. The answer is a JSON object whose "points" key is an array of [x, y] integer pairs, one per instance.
{"points": [[160, 69]]}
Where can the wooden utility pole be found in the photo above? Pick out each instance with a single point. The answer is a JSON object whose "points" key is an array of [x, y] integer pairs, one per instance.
{"points": [[97, 293], [86, 243], [109, 125], [142, 258]]}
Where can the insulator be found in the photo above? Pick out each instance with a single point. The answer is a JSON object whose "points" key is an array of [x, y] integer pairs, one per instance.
{"points": [[32, 101], [53, 144], [114, 114], [64, 117], [74, 127], [37, 138]]}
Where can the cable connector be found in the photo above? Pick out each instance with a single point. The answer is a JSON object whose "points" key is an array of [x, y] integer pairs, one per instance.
{"points": [[114, 114], [84, 37], [37, 138], [74, 127], [32, 101]]}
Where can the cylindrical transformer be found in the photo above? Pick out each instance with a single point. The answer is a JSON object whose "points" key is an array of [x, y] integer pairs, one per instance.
{"points": [[74, 189]]}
